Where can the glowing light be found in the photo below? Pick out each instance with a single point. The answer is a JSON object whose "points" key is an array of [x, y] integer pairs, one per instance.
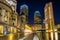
{"points": [[1, 29], [27, 27], [10, 37], [27, 30], [56, 36], [51, 35]]}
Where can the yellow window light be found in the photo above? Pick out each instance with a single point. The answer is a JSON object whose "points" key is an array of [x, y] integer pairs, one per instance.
{"points": [[1, 29]]}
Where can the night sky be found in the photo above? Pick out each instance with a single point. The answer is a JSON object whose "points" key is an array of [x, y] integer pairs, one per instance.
{"points": [[35, 5]]}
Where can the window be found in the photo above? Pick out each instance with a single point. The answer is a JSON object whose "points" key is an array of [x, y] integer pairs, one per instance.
{"points": [[6, 11], [0, 8], [13, 24], [13, 19], [0, 14]]}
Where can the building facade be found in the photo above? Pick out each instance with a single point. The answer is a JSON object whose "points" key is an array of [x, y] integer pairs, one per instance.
{"points": [[8, 20], [49, 21]]}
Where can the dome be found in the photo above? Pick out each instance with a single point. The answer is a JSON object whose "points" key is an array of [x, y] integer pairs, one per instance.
{"points": [[24, 6], [37, 12]]}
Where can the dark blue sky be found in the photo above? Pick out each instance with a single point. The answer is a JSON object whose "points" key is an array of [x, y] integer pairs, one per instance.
{"points": [[39, 5]]}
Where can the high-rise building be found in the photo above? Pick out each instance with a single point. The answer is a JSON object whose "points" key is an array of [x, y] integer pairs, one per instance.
{"points": [[37, 24], [37, 20], [24, 11], [23, 17], [49, 21], [37, 17]]}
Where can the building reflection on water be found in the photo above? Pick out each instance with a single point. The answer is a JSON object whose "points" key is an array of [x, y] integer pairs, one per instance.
{"points": [[14, 26]]}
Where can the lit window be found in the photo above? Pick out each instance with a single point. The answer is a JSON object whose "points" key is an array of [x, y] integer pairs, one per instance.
{"points": [[5, 18]]}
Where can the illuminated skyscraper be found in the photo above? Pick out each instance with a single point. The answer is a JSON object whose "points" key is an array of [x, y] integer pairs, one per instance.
{"points": [[24, 11], [23, 16], [49, 21], [37, 24], [37, 17]]}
